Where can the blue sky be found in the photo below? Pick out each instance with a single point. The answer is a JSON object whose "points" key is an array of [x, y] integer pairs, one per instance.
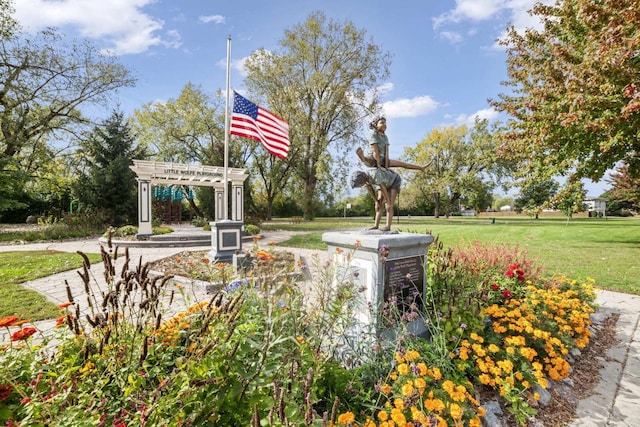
{"points": [[445, 64]]}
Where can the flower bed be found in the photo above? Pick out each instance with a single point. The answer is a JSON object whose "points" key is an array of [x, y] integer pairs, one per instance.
{"points": [[261, 352]]}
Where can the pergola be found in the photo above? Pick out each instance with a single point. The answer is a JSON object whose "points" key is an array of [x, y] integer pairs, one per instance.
{"points": [[162, 173]]}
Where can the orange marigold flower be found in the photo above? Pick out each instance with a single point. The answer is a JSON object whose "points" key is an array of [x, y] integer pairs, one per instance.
{"points": [[411, 355], [436, 373], [8, 321], [383, 416], [346, 418], [398, 403], [65, 304], [403, 369], [407, 389], [455, 411], [23, 334]]}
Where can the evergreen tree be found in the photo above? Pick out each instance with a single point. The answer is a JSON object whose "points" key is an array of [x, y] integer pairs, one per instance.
{"points": [[107, 182]]}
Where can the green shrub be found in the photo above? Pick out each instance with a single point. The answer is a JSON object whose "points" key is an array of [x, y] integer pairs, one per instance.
{"points": [[252, 230], [199, 222]]}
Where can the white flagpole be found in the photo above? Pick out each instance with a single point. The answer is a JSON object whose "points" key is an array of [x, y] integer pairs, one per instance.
{"points": [[226, 136]]}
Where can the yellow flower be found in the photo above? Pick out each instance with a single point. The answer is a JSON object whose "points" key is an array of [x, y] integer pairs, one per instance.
{"points": [[476, 337], [385, 389], [407, 389], [398, 403], [346, 418], [434, 405], [411, 355], [436, 373], [422, 369], [506, 365], [448, 386], [383, 416], [403, 369], [455, 411], [398, 417]]}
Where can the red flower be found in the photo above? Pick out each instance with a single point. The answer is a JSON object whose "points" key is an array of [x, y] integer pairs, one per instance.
{"points": [[495, 287], [5, 391], [60, 321], [8, 320], [509, 274], [23, 334], [506, 293], [520, 278]]}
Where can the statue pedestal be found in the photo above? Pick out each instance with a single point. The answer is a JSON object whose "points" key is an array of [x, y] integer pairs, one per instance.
{"points": [[226, 240], [389, 266]]}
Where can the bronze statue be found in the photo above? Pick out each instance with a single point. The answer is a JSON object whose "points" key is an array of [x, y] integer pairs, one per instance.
{"points": [[387, 181]]}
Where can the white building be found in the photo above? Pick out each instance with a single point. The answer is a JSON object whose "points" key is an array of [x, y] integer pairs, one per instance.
{"points": [[596, 204]]}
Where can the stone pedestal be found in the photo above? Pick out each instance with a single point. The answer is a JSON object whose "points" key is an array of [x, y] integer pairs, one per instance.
{"points": [[389, 266], [226, 239]]}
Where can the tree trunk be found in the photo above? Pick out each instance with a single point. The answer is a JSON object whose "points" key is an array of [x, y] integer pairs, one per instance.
{"points": [[307, 201]]}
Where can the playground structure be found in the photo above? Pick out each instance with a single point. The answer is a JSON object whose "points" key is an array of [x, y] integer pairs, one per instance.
{"points": [[162, 184], [167, 203]]}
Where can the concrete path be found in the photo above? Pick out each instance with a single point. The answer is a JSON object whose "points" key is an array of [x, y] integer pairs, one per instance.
{"points": [[615, 400]]}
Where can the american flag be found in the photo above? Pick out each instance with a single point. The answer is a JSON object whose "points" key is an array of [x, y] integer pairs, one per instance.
{"points": [[253, 122]]}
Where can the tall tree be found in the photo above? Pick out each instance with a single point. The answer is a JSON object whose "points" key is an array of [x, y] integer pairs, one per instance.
{"points": [[108, 183], [535, 195], [569, 199], [8, 25], [463, 166], [43, 85], [575, 99], [625, 190], [321, 82]]}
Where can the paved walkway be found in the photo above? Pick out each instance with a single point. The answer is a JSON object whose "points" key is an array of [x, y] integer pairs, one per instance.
{"points": [[615, 400]]}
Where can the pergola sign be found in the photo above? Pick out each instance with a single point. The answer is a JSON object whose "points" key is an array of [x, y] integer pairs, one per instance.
{"points": [[162, 173]]}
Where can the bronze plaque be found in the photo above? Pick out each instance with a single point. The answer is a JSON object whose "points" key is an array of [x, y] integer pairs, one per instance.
{"points": [[404, 281]]}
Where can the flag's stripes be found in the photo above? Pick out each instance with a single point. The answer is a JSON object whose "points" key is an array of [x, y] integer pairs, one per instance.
{"points": [[251, 121]]}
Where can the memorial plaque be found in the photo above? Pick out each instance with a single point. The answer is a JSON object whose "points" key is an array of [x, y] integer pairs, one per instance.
{"points": [[404, 279]]}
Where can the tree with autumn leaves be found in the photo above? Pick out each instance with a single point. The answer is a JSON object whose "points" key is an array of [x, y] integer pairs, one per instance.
{"points": [[574, 106]]}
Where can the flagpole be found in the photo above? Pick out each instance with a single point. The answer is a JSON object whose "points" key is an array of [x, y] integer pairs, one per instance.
{"points": [[226, 135]]}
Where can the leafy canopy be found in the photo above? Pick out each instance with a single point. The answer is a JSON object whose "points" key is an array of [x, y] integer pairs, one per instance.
{"points": [[321, 82], [575, 100]]}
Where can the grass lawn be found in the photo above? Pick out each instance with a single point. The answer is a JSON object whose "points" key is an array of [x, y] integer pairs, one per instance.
{"points": [[606, 250], [23, 266]]}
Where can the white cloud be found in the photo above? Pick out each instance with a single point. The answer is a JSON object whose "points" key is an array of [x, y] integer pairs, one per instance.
{"points": [[451, 36], [512, 12], [409, 107], [469, 120], [474, 10], [216, 19], [235, 64], [121, 23]]}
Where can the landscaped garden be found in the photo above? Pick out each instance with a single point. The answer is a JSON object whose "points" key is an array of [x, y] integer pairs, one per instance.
{"points": [[266, 351]]}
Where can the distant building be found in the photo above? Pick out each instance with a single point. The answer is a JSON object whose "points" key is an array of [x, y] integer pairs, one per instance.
{"points": [[597, 205]]}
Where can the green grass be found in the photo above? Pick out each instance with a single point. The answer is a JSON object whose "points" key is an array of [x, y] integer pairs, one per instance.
{"points": [[23, 266], [605, 250]]}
